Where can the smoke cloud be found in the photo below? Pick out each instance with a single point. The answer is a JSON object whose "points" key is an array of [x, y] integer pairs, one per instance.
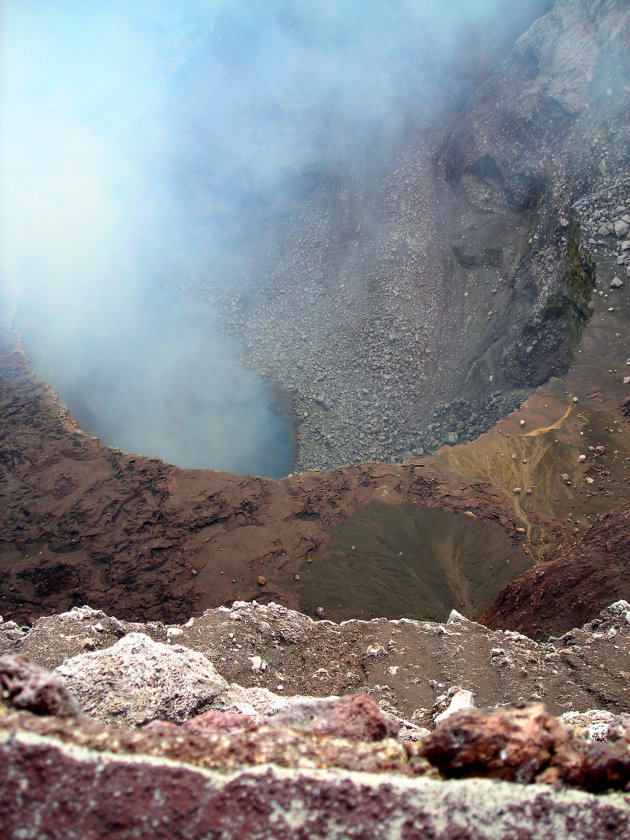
{"points": [[148, 146]]}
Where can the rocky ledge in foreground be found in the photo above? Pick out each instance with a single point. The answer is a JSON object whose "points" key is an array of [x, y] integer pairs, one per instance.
{"points": [[177, 726], [53, 788]]}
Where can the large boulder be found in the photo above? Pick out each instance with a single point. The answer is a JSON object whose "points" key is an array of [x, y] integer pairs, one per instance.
{"points": [[138, 680]]}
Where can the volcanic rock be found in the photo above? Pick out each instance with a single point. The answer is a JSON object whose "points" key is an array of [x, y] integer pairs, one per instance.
{"points": [[185, 798], [24, 685], [138, 680], [425, 663], [569, 589], [357, 717]]}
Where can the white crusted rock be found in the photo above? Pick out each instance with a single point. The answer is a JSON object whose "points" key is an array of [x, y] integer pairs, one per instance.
{"points": [[138, 680]]}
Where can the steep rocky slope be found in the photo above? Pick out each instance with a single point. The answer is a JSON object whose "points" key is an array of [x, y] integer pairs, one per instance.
{"points": [[420, 307], [86, 523]]}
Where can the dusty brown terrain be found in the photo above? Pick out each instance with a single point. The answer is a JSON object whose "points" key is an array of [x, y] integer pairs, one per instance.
{"points": [[86, 523], [561, 594]]}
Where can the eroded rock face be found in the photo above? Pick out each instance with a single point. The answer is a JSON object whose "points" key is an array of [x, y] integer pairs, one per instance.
{"points": [[306, 765], [264, 784], [540, 602]]}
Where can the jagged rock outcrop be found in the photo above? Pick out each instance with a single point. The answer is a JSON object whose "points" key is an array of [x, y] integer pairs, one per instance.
{"points": [[138, 680], [84, 770]]}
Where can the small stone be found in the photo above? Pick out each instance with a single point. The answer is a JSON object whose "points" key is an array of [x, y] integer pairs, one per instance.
{"points": [[626, 380], [296, 577], [258, 664], [517, 490], [566, 478], [600, 450], [262, 580], [581, 459], [320, 611], [463, 699], [621, 228], [616, 283], [521, 423]]}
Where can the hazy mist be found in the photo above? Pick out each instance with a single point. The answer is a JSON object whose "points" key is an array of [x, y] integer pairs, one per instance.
{"points": [[151, 146]]}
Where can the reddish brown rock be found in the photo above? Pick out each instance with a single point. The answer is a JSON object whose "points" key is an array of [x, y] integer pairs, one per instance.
{"points": [[107, 790], [526, 745], [570, 589], [223, 750], [513, 744], [357, 717], [218, 722], [24, 685], [603, 767]]}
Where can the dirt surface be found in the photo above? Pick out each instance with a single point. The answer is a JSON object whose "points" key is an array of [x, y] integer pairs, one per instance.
{"points": [[82, 522], [85, 523], [410, 668]]}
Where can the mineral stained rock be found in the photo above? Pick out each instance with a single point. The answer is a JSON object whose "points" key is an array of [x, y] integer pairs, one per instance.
{"points": [[514, 744], [138, 680], [57, 780], [309, 766], [24, 685]]}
